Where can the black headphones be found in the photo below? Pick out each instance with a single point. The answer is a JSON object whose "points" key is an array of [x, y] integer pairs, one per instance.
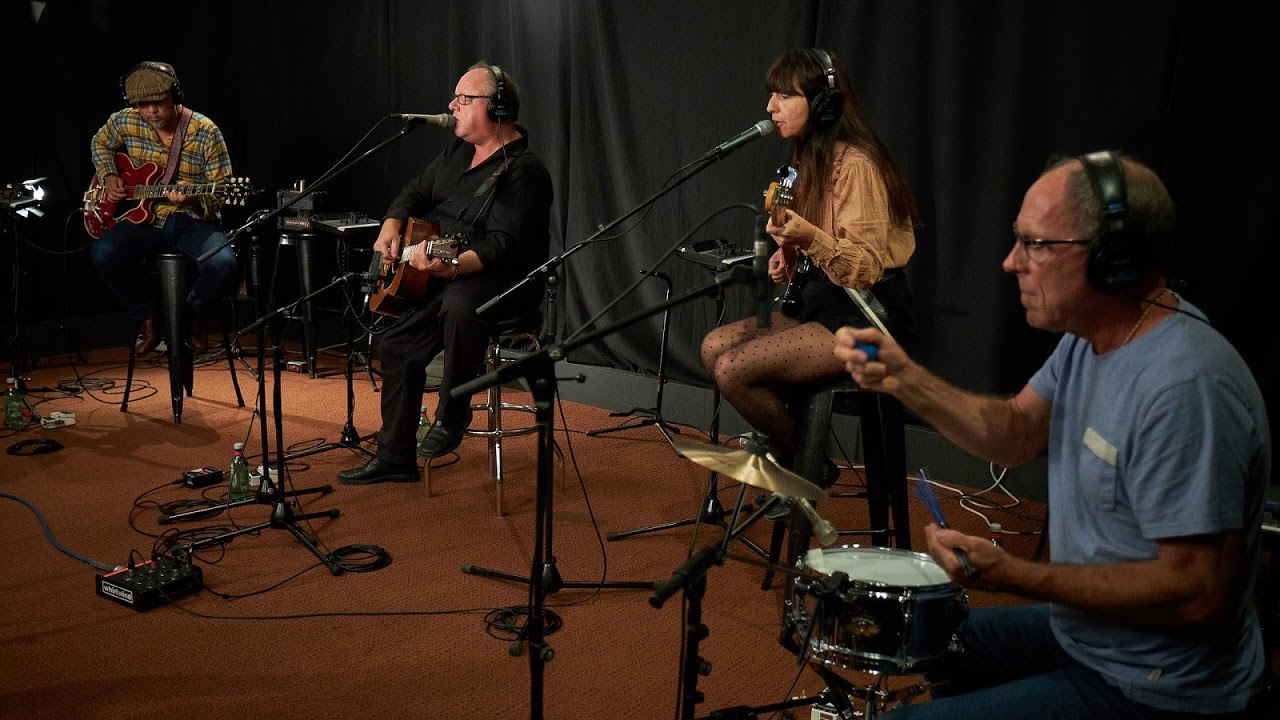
{"points": [[498, 109], [1115, 261], [163, 68], [826, 106]]}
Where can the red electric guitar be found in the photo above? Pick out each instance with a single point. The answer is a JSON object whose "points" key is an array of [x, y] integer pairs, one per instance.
{"points": [[100, 214], [407, 284]]}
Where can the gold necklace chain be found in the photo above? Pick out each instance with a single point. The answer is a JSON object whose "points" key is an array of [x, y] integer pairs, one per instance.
{"points": [[1146, 312]]}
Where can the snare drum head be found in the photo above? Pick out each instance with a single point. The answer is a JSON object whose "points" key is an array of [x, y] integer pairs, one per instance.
{"points": [[877, 565]]}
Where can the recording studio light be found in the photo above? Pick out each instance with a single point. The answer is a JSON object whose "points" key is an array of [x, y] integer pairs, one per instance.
{"points": [[25, 199]]}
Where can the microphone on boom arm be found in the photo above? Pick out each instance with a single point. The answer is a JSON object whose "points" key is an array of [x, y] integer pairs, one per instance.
{"points": [[444, 120]]}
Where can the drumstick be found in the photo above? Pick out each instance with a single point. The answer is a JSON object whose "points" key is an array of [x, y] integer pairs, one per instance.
{"points": [[925, 493]]}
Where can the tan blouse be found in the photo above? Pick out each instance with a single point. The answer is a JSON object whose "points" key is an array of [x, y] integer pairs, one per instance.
{"points": [[855, 240]]}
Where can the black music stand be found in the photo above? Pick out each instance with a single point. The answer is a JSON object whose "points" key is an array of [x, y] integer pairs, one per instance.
{"points": [[712, 511], [650, 416]]}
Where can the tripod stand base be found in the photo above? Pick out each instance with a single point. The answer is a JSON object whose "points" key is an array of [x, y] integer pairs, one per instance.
{"points": [[644, 418], [712, 514], [259, 498], [551, 581], [349, 440]]}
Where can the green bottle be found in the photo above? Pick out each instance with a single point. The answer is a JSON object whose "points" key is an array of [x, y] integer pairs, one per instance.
{"points": [[239, 475], [13, 416]]}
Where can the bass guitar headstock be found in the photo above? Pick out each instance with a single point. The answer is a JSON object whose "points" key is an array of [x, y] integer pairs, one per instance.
{"points": [[780, 194]]}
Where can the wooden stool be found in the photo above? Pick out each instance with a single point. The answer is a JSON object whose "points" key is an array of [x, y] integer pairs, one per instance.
{"points": [[882, 431]]}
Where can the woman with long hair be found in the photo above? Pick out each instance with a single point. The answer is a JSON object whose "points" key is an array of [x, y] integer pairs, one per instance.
{"points": [[850, 224]]}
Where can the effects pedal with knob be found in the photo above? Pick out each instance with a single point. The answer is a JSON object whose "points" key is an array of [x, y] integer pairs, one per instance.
{"points": [[151, 584]]}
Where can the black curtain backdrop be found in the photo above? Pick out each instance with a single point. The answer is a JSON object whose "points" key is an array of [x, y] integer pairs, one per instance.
{"points": [[972, 98]]}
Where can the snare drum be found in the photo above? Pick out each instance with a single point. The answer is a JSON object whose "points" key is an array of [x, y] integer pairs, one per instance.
{"points": [[874, 609]]}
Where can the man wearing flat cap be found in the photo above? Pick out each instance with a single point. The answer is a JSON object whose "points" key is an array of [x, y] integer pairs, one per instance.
{"points": [[157, 141]]}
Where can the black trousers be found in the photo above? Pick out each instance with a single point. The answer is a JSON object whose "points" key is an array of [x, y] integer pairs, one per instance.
{"points": [[447, 322]]}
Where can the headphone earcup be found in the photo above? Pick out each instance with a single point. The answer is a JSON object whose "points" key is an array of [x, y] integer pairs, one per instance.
{"points": [[825, 108], [827, 104], [497, 109], [1115, 260]]}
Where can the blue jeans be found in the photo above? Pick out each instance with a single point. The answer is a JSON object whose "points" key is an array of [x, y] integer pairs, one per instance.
{"points": [[1013, 668], [117, 252]]}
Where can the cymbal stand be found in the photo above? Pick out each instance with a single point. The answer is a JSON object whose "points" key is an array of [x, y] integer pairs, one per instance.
{"points": [[653, 415]]}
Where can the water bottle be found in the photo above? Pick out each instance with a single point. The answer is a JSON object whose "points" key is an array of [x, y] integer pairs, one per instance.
{"points": [[239, 475], [423, 425], [13, 417], [996, 530]]}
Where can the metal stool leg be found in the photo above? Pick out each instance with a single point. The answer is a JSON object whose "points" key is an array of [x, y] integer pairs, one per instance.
{"points": [[174, 286]]}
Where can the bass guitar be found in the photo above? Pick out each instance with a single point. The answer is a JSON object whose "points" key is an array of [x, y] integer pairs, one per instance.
{"points": [[100, 214], [776, 199], [405, 285]]}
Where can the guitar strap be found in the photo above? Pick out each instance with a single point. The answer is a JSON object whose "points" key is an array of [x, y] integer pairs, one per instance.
{"points": [[175, 146], [489, 181]]}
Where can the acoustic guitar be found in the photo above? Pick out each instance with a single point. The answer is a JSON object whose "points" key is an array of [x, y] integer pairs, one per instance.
{"points": [[405, 285], [100, 214], [776, 199]]}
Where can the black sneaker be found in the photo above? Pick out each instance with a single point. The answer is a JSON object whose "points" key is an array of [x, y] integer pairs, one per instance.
{"points": [[380, 471]]}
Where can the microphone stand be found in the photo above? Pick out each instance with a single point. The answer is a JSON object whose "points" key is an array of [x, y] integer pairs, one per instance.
{"points": [[691, 578], [538, 370], [282, 515], [255, 221], [547, 269]]}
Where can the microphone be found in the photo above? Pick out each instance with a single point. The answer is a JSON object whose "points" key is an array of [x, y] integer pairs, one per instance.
{"points": [[763, 283], [760, 129], [824, 531], [444, 120]]}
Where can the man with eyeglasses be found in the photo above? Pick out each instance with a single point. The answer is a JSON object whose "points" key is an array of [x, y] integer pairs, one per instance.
{"points": [[1159, 454], [490, 192]]}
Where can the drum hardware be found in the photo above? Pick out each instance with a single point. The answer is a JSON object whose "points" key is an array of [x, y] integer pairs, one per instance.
{"points": [[873, 609]]}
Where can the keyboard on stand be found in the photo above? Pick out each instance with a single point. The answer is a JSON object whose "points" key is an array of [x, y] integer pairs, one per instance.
{"points": [[715, 254], [343, 223]]}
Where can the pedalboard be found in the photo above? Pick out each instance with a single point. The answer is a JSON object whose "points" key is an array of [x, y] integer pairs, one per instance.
{"points": [[150, 584]]}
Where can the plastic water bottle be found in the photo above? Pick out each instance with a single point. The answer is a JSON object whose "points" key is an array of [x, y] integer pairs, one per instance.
{"points": [[239, 475], [13, 417], [996, 531], [423, 425]]}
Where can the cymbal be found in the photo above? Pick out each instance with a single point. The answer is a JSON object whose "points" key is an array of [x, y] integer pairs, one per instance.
{"points": [[750, 468]]}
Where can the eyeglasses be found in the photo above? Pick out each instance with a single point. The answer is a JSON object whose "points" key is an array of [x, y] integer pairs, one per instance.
{"points": [[465, 99], [1037, 249]]}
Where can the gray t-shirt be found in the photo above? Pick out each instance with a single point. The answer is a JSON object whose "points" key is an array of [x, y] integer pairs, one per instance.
{"points": [[1163, 437]]}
